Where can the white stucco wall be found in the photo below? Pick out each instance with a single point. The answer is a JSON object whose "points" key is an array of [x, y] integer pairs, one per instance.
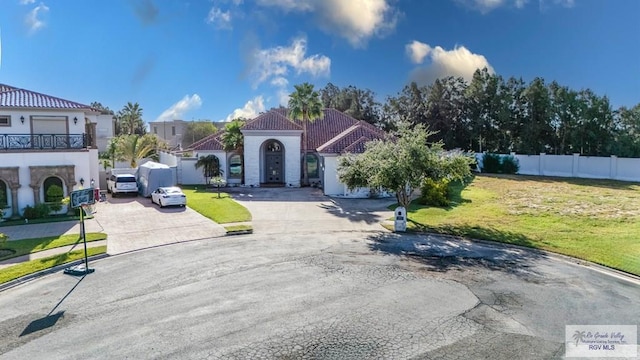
{"points": [[189, 175], [85, 164], [17, 127], [333, 186], [254, 156]]}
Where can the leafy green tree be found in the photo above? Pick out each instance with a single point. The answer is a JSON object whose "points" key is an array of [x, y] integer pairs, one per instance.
{"points": [[130, 120], [445, 112], [627, 132], [409, 106], [133, 148], [357, 103], [197, 130], [537, 132], [210, 165], [103, 109], [305, 105], [401, 164]]}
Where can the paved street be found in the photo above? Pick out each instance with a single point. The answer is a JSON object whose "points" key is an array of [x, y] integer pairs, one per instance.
{"points": [[321, 294]]}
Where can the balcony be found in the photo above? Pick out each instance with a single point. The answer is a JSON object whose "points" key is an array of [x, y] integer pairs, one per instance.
{"points": [[44, 142]]}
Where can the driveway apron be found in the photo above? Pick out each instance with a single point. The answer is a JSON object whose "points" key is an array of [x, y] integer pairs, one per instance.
{"points": [[307, 210]]}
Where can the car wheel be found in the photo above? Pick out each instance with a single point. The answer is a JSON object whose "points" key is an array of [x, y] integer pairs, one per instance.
{"points": [[113, 194]]}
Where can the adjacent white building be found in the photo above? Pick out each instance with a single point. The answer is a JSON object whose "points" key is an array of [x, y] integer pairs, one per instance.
{"points": [[46, 141]]}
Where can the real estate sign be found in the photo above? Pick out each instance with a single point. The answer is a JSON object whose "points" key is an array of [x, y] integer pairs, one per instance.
{"points": [[82, 197]]}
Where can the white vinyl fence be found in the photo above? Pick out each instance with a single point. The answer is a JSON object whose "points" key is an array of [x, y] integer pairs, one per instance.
{"points": [[590, 167]]}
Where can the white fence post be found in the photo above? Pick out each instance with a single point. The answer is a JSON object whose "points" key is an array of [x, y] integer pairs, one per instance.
{"points": [[613, 167]]}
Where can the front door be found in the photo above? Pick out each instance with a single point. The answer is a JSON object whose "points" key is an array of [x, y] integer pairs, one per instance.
{"points": [[274, 168], [274, 164]]}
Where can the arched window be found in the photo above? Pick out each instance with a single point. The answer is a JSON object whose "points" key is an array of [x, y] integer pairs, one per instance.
{"points": [[313, 166], [4, 195], [274, 146], [235, 166], [53, 190]]}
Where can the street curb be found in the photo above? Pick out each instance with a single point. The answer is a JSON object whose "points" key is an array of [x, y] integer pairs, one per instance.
{"points": [[35, 275]]}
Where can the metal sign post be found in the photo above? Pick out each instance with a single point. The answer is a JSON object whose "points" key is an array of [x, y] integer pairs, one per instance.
{"points": [[79, 199]]}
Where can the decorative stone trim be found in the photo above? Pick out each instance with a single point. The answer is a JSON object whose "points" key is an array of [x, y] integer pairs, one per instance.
{"points": [[10, 175], [40, 173]]}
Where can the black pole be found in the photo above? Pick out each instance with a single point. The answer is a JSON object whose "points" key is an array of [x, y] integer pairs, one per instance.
{"points": [[84, 238]]}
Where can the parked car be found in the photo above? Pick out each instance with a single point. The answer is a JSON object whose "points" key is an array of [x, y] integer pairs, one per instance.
{"points": [[122, 184], [166, 196]]}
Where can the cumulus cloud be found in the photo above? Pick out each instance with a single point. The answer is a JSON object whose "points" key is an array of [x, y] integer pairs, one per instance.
{"points": [[177, 110], [355, 20], [250, 109], [221, 19], [275, 63], [458, 61], [33, 21], [417, 51]]}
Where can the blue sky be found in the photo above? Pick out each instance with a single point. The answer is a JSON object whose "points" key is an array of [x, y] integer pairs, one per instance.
{"points": [[216, 59]]}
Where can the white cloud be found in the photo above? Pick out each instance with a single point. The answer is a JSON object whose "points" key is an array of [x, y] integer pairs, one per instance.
{"points": [[355, 20], [486, 6], [250, 110], [417, 51], [27, 2], [458, 61], [275, 63], [177, 110], [279, 81], [565, 3], [221, 19], [34, 23]]}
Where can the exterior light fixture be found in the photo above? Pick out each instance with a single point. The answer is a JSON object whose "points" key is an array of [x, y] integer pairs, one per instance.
{"points": [[75, 120], [22, 119], [81, 181], [93, 182]]}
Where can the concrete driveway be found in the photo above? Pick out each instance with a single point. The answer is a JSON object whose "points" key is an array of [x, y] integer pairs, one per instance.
{"points": [[134, 223], [307, 210]]}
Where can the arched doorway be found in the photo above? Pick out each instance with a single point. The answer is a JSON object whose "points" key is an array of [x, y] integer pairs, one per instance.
{"points": [[273, 162]]}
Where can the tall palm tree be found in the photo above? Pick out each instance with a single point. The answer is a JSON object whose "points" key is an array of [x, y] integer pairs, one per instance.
{"points": [[132, 148], [305, 105], [233, 140], [130, 117]]}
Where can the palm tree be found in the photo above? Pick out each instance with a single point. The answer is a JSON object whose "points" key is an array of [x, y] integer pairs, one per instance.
{"points": [[132, 148], [210, 167], [305, 105], [130, 117], [232, 139]]}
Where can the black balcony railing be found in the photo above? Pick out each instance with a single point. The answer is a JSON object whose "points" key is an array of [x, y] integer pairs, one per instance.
{"points": [[43, 141]]}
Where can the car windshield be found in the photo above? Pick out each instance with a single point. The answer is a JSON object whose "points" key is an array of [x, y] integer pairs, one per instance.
{"points": [[173, 191]]}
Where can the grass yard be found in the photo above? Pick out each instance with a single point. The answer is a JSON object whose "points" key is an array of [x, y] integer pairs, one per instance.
{"points": [[30, 267], [222, 210], [595, 220], [28, 246]]}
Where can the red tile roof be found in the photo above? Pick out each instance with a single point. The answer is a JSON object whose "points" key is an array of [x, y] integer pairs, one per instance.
{"points": [[20, 98], [210, 143], [271, 120], [334, 133]]}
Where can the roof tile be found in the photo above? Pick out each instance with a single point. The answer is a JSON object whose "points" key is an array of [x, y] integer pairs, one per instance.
{"points": [[14, 97]]}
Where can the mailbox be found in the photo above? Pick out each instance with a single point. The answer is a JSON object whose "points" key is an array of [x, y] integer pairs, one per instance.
{"points": [[400, 215]]}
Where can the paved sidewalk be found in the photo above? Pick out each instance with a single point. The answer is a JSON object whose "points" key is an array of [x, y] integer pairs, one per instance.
{"points": [[51, 252]]}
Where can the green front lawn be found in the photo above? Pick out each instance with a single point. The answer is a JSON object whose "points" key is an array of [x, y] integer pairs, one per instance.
{"points": [[28, 246], [594, 220], [30, 267], [222, 210]]}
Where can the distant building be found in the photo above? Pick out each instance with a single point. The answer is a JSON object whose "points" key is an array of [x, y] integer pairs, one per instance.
{"points": [[173, 131]]}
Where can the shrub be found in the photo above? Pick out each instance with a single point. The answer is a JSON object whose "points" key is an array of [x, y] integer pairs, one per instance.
{"points": [[491, 163], [498, 164], [54, 196], [509, 164], [37, 212], [434, 193]]}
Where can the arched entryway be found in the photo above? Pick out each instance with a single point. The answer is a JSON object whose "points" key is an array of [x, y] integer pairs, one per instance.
{"points": [[273, 162]]}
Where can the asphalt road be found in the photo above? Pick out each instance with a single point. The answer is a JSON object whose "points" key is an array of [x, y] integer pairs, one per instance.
{"points": [[342, 294]]}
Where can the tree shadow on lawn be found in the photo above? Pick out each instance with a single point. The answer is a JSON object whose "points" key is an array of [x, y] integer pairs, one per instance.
{"points": [[443, 252]]}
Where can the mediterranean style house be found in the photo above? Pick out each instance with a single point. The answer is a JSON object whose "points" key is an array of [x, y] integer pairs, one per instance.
{"points": [[46, 141], [272, 153]]}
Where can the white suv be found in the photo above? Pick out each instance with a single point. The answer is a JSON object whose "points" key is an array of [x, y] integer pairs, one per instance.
{"points": [[122, 184]]}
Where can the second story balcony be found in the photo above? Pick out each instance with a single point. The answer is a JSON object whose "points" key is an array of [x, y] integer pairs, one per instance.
{"points": [[43, 142]]}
